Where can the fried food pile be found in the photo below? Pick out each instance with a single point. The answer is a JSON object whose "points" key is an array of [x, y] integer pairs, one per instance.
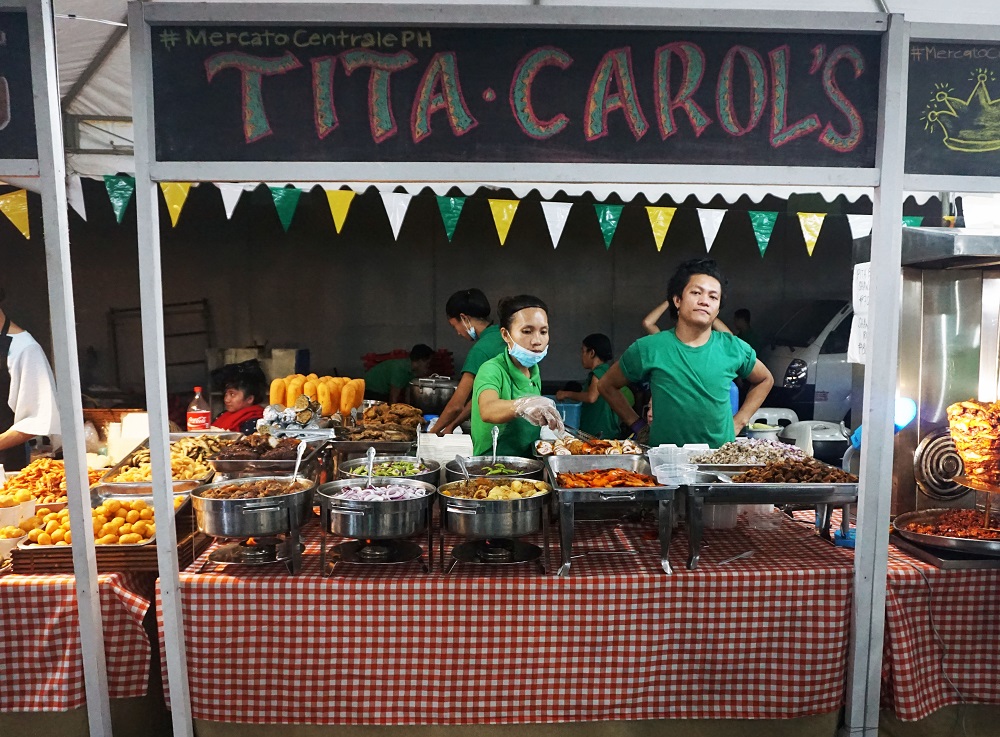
{"points": [[497, 489], [975, 428], [604, 478], [388, 422], [596, 447], [259, 447], [188, 460], [807, 471], [45, 480], [956, 523], [253, 489]]}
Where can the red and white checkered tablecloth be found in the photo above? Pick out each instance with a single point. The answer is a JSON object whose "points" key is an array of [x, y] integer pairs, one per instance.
{"points": [[942, 630], [761, 637], [40, 655]]}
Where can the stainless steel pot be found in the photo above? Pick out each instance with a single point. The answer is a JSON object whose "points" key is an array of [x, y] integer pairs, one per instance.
{"points": [[482, 519], [527, 468], [376, 520], [241, 518], [430, 476], [433, 393]]}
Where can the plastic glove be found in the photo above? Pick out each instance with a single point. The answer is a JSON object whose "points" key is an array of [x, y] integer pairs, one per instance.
{"points": [[539, 411]]}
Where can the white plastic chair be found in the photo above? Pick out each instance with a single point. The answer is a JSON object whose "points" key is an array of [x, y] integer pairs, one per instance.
{"points": [[774, 416]]}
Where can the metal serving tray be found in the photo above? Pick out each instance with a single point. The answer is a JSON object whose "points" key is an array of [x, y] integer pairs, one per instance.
{"points": [[962, 544], [716, 487], [727, 467], [235, 468], [568, 498], [145, 488]]}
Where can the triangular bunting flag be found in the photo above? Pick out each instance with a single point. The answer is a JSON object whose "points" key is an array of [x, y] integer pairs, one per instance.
{"points": [[340, 202], [812, 224], [74, 195], [659, 220], [451, 210], [556, 214], [231, 194], [286, 199], [503, 216], [913, 221], [120, 191], [175, 194], [608, 217], [711, 221], [15, 206], [861, 225], [763, 225], [396, 204]]}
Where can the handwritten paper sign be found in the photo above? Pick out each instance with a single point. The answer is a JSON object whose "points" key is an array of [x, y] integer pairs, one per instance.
{"points": [[512, 94], [17, 106], [858, 346]]}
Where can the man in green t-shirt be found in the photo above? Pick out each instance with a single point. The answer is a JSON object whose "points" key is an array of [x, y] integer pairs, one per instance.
{"points": [[690, 368], [389, 380]]}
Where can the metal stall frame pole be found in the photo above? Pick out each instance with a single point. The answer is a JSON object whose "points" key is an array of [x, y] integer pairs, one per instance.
{"points": [[52, 180], [871, 556], [155, 361]]}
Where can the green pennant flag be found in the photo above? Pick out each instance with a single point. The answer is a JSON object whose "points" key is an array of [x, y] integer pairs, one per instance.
{"points": [[763, 225], [913, 221], [120, 191], [451, 210], [607, 218], [286, 199]]}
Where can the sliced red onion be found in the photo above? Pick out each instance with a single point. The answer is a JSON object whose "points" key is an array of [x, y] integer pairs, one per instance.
{"points": [[391, 493]]}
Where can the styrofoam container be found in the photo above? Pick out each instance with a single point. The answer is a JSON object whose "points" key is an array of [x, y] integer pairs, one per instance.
{"points": [[10, 516], [675, 474], [27, 509], [6, 545]]}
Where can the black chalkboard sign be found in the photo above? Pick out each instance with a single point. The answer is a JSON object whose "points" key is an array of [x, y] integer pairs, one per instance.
{"points": [[17, 106], [469, 94], [953, 109]]}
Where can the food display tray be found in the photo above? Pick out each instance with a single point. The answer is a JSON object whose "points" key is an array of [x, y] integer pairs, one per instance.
{"points": [[269, 467], [946, 558], [344, 449], [958, 544], [141, 557], [568, 498], [729, 468], [716, 487], [145, 488]]}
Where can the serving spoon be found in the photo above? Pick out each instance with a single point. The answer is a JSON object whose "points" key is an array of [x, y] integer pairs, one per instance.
{"points": [[371, 466], [495, 433], [299, 452], [461, 466]]}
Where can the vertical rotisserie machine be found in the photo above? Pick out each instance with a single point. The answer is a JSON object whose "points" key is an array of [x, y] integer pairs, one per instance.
{"points": [[949, 351]]}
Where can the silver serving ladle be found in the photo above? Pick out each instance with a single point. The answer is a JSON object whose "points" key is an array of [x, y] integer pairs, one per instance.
{"points": [[299, 452], [495, 433], [461, 466], [371, 466]]}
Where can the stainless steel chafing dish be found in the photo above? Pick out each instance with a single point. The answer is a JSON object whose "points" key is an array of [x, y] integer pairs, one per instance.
{"points": [[257, 517]]}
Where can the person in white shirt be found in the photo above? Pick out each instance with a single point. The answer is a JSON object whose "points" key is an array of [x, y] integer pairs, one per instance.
{"points": [[27, 384]]}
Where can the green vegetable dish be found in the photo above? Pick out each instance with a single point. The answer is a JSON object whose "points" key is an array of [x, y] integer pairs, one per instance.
{"points": [[390, 468], [497, 469]]}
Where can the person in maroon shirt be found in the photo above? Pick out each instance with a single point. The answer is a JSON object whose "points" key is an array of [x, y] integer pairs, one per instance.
{"points": [[242, 402]]}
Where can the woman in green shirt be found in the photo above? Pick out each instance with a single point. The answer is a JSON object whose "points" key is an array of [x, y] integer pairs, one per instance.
{"points": [[507, 390], [468, 314], [596, 416]]}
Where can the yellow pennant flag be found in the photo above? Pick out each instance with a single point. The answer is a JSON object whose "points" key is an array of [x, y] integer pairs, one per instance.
{"points": [[503, 216], [812, 224], [340, 202], [659, 221], [175, 194], [15, 206]]}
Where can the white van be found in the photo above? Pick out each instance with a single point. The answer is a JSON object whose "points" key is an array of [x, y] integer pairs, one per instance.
{"points": [[808, 359]]}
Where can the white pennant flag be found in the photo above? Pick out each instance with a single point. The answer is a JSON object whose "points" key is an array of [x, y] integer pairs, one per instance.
{"points": [[74, 195], [231, 194], [711, 221], [555, 218], [396, 205], [861, 225]]}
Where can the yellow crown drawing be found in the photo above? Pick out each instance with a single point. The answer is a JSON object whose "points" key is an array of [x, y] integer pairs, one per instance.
{"points": [[971, 125]]}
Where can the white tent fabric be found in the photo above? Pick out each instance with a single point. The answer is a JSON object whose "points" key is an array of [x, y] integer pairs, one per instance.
{"points": [[95, 80]]}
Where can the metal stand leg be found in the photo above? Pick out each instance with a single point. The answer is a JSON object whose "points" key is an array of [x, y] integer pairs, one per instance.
{"points": [[845, 520], [824, 515], [543, 562], [666, 530], [325, 522], [429, 566], [565, 536], [696, 521]]}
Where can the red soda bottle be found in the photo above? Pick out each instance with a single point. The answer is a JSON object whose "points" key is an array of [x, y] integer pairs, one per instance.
{"points": [[199, 414]]}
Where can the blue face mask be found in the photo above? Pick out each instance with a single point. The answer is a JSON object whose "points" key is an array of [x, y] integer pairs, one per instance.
{"points": [[525, 357], [471, 331]]}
